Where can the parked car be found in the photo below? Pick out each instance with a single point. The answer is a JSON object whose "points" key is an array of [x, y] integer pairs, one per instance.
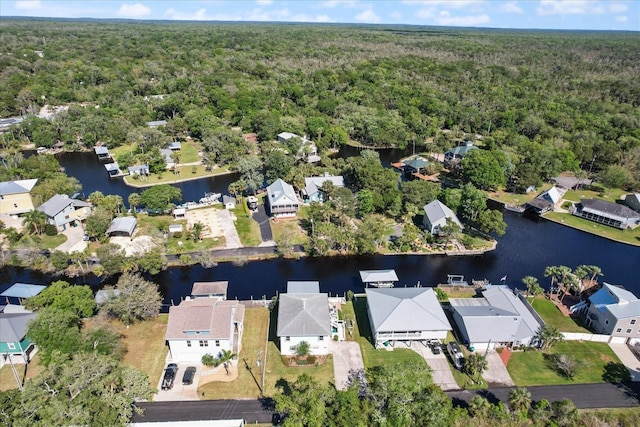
{"points": [[434, 345], [169, 376], [189, 373], [457, 357]]}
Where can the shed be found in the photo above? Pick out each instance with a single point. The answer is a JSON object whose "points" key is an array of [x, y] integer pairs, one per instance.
{"points": [[22, 290], [229, 202], [175, 228], [179, 212], [174, 146], [139, 169], [122, 226]]}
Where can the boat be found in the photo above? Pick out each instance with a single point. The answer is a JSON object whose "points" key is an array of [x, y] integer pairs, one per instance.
{"points": [[456, 280], [211, 198]]}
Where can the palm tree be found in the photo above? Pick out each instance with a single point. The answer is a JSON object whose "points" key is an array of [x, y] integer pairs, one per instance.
{"points": [[224, 358], [520, 399], [302, 349], [533, 287], [479, 406], [134, 202], [558, 275], [196, 230], [475, 364], [589, 272], [35, 221], [548, 336]]}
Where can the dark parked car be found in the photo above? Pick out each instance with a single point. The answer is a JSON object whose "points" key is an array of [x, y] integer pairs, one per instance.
{"points": [[169, 376], [187, 377], [434, 345]]}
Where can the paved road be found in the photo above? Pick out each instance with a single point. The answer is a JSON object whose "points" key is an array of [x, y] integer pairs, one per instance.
{"points": [[584, 396], [251, 411]]}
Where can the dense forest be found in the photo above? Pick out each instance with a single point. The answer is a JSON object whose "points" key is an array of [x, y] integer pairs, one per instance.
{"points": [[550, 101]]}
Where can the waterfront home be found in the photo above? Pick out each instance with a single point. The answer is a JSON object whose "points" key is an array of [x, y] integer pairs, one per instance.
{"points": [[308, 151], [15, 196], [633, 201], [123, 226], [378, 278], [282, 199], [304, 317], [436, 216], [456, 154], [405, 315], [202, 326], [139, 170], [229, 202], [13, 341], [216, 290], [613, 310], [174, 146], [61, 210], [607, 213], [102, 152], [499, 319], [167, 155], [312, 191], [22, 291], [546, 201]]}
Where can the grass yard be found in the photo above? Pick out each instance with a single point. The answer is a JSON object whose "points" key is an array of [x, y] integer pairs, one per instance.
{"points": [[530, 368], [185, 173], [612, 196], [190, 245], [8, 381], [189, 152], [289, 229], [516, 198], [553, 317], [145, 343], [248, 230], [370, 355], [631, 237]]}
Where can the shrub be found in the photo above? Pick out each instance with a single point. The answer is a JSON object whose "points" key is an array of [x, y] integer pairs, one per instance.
{"points": [[311, 360], [208, 360], [177, 235], [335, 338], [349, 295], [50, 230]]}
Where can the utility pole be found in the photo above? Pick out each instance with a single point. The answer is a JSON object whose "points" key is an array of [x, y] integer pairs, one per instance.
{"points": [[261, 367]]}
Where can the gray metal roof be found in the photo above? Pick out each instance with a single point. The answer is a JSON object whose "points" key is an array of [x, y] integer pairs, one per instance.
{"points": [[377, 276], [58, 203], [303, 287], [302, 315], [405, 309], [17, 187], [617, 300], [608, 209], [13, 326], [312, 184], [23, 290], [175, 145], [122, 225], [436, 211], [461, 150], [101, 150], [280, 192]]}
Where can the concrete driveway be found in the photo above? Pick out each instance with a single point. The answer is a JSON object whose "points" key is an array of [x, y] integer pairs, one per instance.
{"points": [[496, 374], [74, 242], [346, 357], [228, 227], [628, 359], [441, 370], [180, 391]]}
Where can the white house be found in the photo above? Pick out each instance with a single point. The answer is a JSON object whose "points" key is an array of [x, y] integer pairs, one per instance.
{"points": [[62, 210], [282, 199], [304, 317], [499, 319], [405, 315], [614, 311], [204, 326], [308, 151], [436, 214]]}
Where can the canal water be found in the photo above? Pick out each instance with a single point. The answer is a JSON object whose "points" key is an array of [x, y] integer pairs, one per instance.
{"points": [[525, 250]]}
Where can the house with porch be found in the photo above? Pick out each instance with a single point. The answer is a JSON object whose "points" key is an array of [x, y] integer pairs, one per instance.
{"points": [[14, 344], [613, 310], [436, 215], [202, 326], [63, 211], [405, 315], [15, 196], [304, 317], [607, 213], [312, 191], [546, 201], [456, 154], [499, 319], [282, 200], [139, 170]]}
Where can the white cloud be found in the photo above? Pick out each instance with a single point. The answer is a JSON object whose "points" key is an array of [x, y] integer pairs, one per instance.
{"points": [[447, 4], [396, 15], [445, 18], [618, 7], [570, 7], [198, 15], [510, 7], [28, 4], [425, 13], [622, 18], [333, 3], [264, 2], [368, 16], [133, 11]]}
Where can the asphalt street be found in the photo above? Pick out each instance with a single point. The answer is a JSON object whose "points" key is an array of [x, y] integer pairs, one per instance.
{"points": [[251, 411]]}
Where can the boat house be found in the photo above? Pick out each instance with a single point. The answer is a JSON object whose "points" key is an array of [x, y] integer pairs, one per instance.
{"points": [[378, 278]]}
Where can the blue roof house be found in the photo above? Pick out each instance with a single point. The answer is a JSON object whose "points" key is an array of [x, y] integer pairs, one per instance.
{"points": [[614, 311]]}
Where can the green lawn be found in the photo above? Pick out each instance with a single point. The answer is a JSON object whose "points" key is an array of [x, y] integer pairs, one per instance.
{"points": [[530, 368], [189, 152], [8, 381], [190, 245], [51, 242], [553, 317], [610, 196], [362, 333], [185, 173], [516, 198], [248, 230], [290, 229], [626, 236]]}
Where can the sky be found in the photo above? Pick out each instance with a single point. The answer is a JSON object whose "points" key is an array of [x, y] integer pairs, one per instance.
{"points": [[620, 15]]}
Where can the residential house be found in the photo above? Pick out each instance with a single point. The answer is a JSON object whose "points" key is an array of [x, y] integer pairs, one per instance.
{"points": [[456, 154], [613, 310], [61, 210], [312, 191], [123, 226], [229, 202], [5, 124], [210, 290], [15, 196], [139, 170], [304, 317], [436, 215], [378, 278], [499, 319], [167, 155], [308, 151], [202, 326], [21, 291], [405, 315], [633, 201], [607, 213], [13, 341], [546, 201], [174, 146], [282, 199]]}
